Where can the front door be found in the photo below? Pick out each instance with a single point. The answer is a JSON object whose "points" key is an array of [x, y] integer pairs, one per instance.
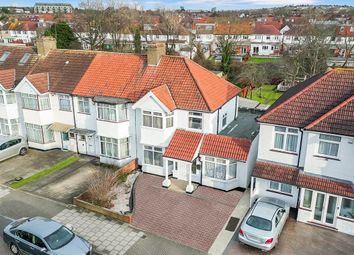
{"points": [[325, 208], [82, 144], [91, 145], [65, 139]]}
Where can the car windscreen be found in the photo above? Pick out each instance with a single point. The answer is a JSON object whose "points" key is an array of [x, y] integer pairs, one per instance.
{"points": [[259, 223], [59, 238]]}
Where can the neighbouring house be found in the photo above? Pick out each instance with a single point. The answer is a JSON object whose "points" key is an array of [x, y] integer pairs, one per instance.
{"points": [[306, 149], [19, 32], [53, 8], [15, 63], [123, 106]]}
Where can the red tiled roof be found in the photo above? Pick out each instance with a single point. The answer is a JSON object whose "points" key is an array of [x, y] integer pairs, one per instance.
{"points": [[164, 95], [293, 176], [241, 28], [339, 120], [225, 147], [345, 31], [127, 76], [311, 99], [183, 145], [262, 29], [40, 81], [7, 78]]}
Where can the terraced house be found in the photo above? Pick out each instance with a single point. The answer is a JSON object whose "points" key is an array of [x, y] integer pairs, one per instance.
{"points": [[124, 106], [306, 149]]}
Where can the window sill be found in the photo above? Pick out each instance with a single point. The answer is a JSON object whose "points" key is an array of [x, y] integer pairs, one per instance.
{"points": [[65, 110], [345, 218], [220, 180], [84, 113], [285, 152], [326, 157], [152, 128], [305, 209], [112, 121], [151, 165], [279, 192]]}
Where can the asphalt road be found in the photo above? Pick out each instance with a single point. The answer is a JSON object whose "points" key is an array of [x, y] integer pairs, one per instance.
{"points": [[4, 221]]}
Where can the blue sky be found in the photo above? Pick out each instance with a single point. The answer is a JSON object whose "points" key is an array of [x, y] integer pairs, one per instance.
{"points": [[195, 4]]}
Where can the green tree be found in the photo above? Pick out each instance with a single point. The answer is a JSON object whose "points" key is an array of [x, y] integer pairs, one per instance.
{"points": [[5, 10], [226, 47], [137, 41], [64, 35]]}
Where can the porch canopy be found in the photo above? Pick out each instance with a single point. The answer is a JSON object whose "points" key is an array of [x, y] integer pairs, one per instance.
{"points": [[82, 131], [60, 127]]}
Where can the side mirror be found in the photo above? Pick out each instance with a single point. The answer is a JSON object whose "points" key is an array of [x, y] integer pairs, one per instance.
{"points": [[44, 249], [283, 210], [70, 227]]}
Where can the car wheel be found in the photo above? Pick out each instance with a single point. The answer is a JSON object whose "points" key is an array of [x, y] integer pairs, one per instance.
{"points": [[23, 151], [14, 249]]}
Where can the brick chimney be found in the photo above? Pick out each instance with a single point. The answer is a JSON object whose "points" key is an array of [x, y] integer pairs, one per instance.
{"points": [[45, 44], [155, 52]]}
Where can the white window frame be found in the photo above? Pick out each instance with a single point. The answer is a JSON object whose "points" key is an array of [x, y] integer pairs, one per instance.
{"points": [[195, 115], [10, 98], [106, 109], [116, 147], [330, 140], [14, 126], [169, 120], [288, 132], [222, 162], [224, 120], [154, 118], [153, 150], [280, 187], [45, 135], [64, 102], [4, 127], [84, 105], [341, 214]]}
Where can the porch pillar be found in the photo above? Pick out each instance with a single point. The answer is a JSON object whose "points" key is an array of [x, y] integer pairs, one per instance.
{"points": [[167, 182], [190, 187]]}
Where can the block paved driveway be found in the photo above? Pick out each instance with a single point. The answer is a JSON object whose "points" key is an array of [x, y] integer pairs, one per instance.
{"points": [[194, 220], [299, 238]]}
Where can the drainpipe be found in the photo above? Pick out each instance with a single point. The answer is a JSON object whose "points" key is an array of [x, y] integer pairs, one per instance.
{"points": [[136, 133], [299, 156], [77, 143], [217, 122]]}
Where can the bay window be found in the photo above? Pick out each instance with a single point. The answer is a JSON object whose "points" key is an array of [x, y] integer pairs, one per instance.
{"points": [[39, 134], [64, 103], [329, 145], [282, 187], [286, 138], [44, 102], [84, 105], [195, 120], [114, 148], [14, 126], [169, 120], [215, 168], [152, 119], [347, 208], [10, 98], [34, 102], [4, 127], [153, 155], [112, 112], [2, 100]]}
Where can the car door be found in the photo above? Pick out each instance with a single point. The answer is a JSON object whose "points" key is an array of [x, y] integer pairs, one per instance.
{"points": [[24, 242], [280, 221], [38, 246], [14, 147], [4, 152]]}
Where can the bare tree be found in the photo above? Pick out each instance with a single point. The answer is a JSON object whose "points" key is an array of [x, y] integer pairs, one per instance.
{"points": [[254, 75], [170, 26], [89, 23], [345, 43]]}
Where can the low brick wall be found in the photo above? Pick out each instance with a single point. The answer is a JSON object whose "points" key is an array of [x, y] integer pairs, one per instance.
{"points": [[127, 169], [101, 210]]}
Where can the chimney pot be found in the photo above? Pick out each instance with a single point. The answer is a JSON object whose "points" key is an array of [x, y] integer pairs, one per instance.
{"points": [[155, 52], [45, 44]]}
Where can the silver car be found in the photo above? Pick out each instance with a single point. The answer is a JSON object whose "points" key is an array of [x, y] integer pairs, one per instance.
{"points": [[41, 236], [11, 146], [264, 222]]}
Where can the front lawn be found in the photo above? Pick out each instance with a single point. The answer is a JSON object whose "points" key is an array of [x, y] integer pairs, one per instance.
{"points": [[267, 94], [45, 172], [260, 60]]}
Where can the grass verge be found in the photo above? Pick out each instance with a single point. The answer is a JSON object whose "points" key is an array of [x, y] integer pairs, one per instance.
{"points": [[45, 172], [267, 94], [260, 60]]}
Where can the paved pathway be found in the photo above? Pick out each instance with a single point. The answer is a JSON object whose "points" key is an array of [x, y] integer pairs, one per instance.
{"points": [[4, 191], [194, 220], [107, 236]]}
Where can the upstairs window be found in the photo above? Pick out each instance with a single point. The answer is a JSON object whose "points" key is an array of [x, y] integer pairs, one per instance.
{"points": [[286, 139], [4, 56], [152, 119], [2, 100], [329, 145], [169, 120], [195, 120], [84, 105], [24, 59], [64, 103], [112, 112], [34, 102], [10, 98]]}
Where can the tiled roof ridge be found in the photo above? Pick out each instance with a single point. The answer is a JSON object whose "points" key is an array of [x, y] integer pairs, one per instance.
{"points": [[329, 113], [96, 52], [195, 81], [231, 137], [297, 94]]}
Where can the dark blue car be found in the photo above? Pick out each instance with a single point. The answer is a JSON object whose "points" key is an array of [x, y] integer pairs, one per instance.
{"points": [[41, 236]]}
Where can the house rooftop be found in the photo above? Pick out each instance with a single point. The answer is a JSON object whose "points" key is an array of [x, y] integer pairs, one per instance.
{"points": [[324, 97]]}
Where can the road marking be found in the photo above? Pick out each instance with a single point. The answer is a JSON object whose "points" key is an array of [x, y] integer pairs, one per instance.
{"points": [[232, 129], [7, 218], [4, 192]]}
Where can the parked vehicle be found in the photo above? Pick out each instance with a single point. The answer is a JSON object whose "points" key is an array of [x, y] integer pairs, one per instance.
{"points": [[264, 222], [41, 236], [11, 146]]}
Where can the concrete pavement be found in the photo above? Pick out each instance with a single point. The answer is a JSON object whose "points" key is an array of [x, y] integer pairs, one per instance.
{"points": [[4, 221]]}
